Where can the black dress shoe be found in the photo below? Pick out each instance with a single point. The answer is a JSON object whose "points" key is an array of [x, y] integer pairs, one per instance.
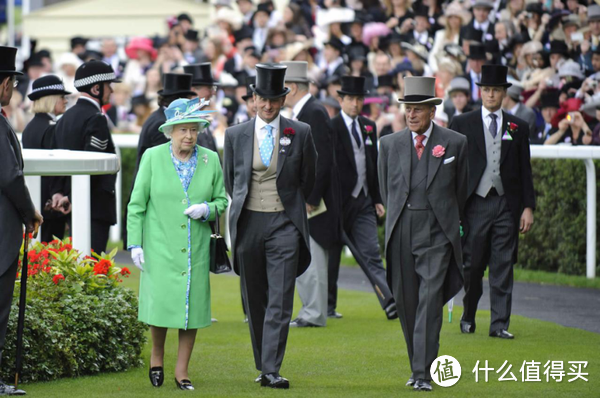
{"points": [[259, 378], [467, 327], [391, 312], [301, 323], [157, 376], [274, 380], [184, 384], [422, 385], [335, 315], [6, 390], [410, 382], [502, 334]]}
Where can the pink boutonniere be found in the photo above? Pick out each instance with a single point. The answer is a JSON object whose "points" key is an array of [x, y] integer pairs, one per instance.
{"points": [[288, 131], [438, 151], [368, 129]]}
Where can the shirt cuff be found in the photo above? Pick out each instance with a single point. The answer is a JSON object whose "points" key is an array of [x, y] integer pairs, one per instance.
{"points": [[133, 247], [205, 219]]}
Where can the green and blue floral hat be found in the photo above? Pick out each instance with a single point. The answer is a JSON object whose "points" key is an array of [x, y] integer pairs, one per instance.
{"points": [[185, 110]]}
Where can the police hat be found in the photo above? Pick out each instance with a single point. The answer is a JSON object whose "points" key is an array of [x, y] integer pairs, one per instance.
{"points": [[94, 72]]}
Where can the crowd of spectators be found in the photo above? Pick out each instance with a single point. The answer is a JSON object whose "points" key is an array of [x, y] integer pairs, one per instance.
{"points": [[552, 49]]}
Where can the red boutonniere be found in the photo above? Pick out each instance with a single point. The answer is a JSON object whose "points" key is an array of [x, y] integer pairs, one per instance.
{"points": [[512, 127], [438, 151], [368, 129], [289, 132]]}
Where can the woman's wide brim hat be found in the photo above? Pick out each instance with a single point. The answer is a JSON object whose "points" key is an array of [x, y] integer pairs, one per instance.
{"points": [[7, 61], [494, 76], [419, 90], [140, 43], [185, 110], [270, 81], [47, 85]]}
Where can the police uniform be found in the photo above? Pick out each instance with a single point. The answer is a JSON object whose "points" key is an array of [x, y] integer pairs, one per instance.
{"points": [[85, 128]]}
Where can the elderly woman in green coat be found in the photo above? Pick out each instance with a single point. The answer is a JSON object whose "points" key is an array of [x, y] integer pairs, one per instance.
{"points": [[179, 187]]}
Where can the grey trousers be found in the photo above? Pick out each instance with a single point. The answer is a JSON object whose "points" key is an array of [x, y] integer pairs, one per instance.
{"points": [[419, 258], [312, 286], [7, 285], [268, 249], [491, 239]]}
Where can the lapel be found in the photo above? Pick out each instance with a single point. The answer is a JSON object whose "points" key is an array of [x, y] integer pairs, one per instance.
{"points": [[504, 144], [344, 135], [247, 149], [283, 123], [305, 107], [477, 121], [363, 134], [404, 144], [434, 163], [14, 141]]}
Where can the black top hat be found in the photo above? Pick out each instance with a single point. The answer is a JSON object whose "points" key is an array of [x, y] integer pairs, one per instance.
{"points": [[94, 72], [7, 61], [549, 99], [536, 8], [385, 81], [201, 73], [494, 75], [177, 84], [476, 51], [421, 11], [185, 17], [191, 35], [140, 99], [472, 34], [270, 80], [47, 85], [356, 53], [263, 7], [244, 33], [353, 85], [250, 80], [78, 41], [559, 47], [336, 43]]}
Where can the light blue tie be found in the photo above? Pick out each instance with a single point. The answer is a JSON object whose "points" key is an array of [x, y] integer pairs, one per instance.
{"points": [[266, 146]]}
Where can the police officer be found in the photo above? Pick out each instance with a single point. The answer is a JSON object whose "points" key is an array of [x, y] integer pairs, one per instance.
{"points": [[85, 128]]}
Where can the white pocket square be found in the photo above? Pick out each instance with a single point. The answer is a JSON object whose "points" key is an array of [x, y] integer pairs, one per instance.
{"points": [[449, 160]]}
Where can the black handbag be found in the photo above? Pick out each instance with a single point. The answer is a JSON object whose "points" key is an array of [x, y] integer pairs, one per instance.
{"points": [[219, 260]]}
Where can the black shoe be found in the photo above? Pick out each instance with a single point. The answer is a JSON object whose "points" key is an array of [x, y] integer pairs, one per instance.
{"points": [[274, 380], [157, 376], [6, 390], [467, 327], [391, 312], [185, 384], [259, 378], [502, 334], [301, 323], [410, 382], [335, 315], [422, 385]]}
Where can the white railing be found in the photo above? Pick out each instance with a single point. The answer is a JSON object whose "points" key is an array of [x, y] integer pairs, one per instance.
{"points": [[78, 164]]}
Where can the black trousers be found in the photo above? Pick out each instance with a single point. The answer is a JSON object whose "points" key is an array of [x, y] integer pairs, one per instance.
{"points": [[268, 250], [491, 239], [7, 285], [100, 231], [54, 226]]}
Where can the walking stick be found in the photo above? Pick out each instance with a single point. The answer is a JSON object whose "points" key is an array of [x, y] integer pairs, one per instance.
{"points": [[22, 302]]}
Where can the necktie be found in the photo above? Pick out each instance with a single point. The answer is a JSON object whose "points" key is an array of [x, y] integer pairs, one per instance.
{"points": [[355, 133], [493, 125], [266, 146], [3, 113], [419, 145]]}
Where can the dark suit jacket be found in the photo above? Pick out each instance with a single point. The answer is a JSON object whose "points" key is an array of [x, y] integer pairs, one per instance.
{"points": [[16, 207], [150, 136], [528, 115], [324, 228], [207, 140], [85, 128], [515, 163], [344, 155], [446, 190], [295, 178]]}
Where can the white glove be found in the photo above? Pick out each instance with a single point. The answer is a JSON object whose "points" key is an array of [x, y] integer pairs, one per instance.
{"points": [[137, 255], [197, 211]]}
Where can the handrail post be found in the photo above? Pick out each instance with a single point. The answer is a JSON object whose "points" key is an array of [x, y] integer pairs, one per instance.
{"points": [[590, 172], [81, 213], [115, 230], [34, 185]]}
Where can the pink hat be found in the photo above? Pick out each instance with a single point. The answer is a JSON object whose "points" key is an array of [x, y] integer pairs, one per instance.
{"points": [[374, 29], [140, 43]]}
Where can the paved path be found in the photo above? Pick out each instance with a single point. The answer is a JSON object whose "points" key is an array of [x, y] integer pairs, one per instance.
{"points": [[567, 306]]}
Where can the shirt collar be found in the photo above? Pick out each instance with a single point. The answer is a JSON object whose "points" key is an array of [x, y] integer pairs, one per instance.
{"points": [[260, 124], [347, 119], [97, 105], [514, 109], [485, 113], [300, 104], [426, 133]]}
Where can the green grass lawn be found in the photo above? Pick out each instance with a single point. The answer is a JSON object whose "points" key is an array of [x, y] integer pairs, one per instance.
{"points": [[361, 355]]}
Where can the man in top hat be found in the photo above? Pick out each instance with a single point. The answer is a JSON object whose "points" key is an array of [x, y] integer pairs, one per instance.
{"points": [[423, 173], [247, 109], [356, 156], [476, 59], [513, 105], [325, 227], [191, 48], [175, 86], [481, 21], [332, 59], [204, 85], [243, 40], [261, 26], [16, 207], [460, 98], [500, 200], [85, 128], [549, 105], [269, 171]]}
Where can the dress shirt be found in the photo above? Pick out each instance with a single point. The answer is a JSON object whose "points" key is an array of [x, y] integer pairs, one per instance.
{"points": [[485, 115], [427, 134], [514, 109], [261, 131], [299, 105], [475, 78]]}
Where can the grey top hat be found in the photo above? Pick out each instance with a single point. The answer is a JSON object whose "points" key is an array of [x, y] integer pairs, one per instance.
{"points": [[484, 4], [515, 92], [297, 71], [593, 12], [459, 84], [419, 90]]}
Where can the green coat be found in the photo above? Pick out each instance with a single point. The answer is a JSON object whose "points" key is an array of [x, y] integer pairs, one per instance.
{"points": [[155, 221]]}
